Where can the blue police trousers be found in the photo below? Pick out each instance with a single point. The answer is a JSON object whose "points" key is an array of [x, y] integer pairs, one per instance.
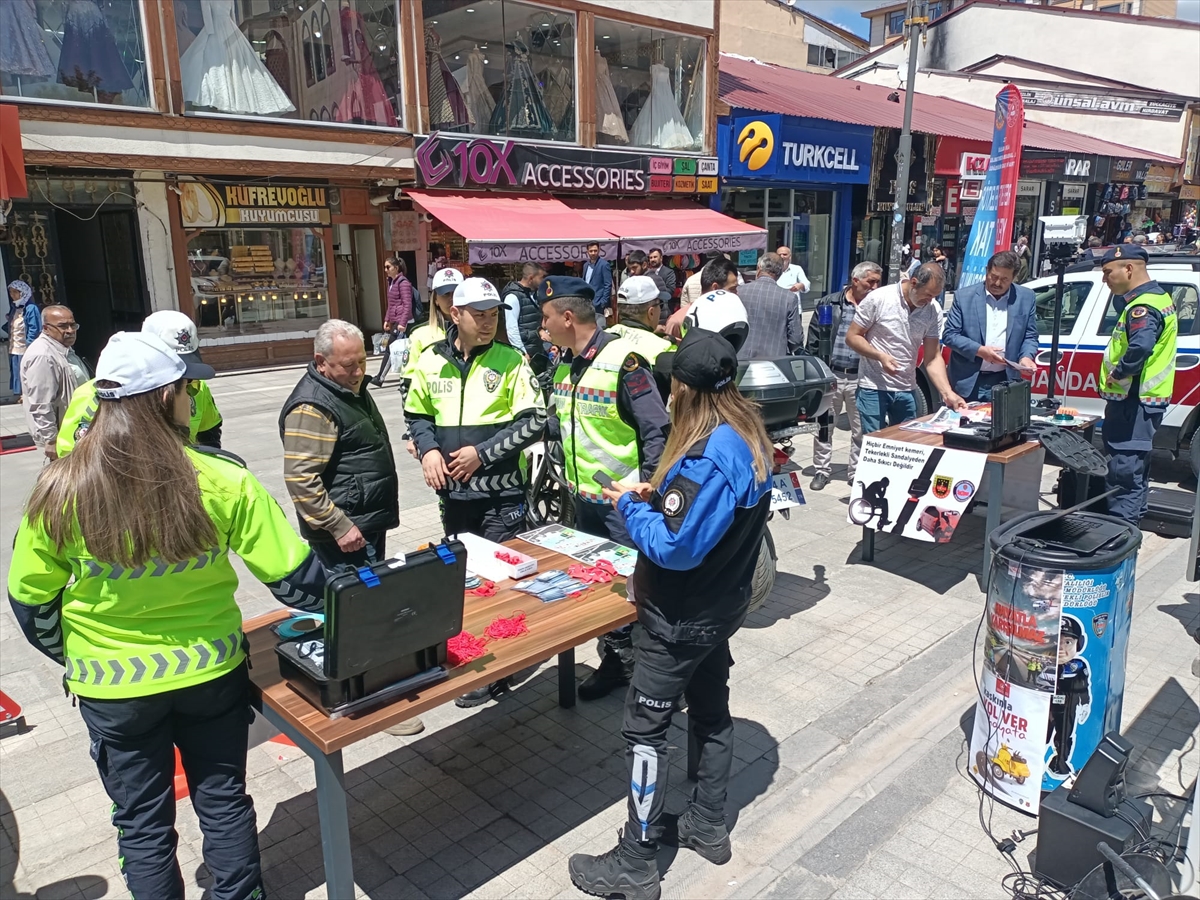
{"points": [[133, 743], [1128, 471]]}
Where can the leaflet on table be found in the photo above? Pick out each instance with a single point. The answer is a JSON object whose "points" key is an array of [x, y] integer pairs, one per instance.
{"points": [[551, 586], [946, 418], [587, 548], [785, 491], [912, 489]]}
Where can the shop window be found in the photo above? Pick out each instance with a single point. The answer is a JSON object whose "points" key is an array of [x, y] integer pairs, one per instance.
{"points": [[258, 281], [1075, 294], [896, 22], [1183, 297], [499, 67], [291, 60], [649, 87], [89, 51], [829, 57]]}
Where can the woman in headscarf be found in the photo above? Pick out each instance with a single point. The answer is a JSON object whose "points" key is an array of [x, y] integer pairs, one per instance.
{"points": [[24, 324]]}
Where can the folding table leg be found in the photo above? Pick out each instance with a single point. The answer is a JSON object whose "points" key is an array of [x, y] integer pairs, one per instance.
{"points": [[868, 544], [995, 503], [566, 678]]}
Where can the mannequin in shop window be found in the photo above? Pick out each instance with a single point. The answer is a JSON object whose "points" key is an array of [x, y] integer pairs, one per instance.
{"points": [[365, 97]]}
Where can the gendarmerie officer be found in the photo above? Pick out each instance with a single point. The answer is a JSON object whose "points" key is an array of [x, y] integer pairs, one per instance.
{"points": [[136, 599], [612, 420], [1137, 376], [697, 526]]}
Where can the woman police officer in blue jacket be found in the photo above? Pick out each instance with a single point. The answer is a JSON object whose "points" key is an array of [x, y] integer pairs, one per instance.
{"points": [[697, 527]]}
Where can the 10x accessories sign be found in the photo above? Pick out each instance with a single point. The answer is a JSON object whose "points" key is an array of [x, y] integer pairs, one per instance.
{"points": [[455, 162]]}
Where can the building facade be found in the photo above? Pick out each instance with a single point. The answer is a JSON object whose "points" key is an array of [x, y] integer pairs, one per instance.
{"points": [[775, 32]]}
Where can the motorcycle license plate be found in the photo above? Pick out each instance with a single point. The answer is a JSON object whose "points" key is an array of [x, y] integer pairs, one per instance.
{"points": [[780, 434]]}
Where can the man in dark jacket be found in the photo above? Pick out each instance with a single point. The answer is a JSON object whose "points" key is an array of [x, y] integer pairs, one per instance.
{"points": [[337, 457], [523, 317], [597, 272]]}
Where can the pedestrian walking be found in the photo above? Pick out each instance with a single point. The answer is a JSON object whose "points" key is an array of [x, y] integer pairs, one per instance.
{"points": [[121, 562], [398, 316], [1137, 376], [697, 526], [844, 363], [24, 324], [612, 421], [50, 373], [892, 326]]}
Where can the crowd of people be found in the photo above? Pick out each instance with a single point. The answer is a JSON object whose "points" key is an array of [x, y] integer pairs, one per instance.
{"points": [[139, 506]]}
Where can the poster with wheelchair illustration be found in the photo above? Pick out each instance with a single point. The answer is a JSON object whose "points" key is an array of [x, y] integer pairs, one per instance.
{"points": [[1053, 675], [910, 489]]}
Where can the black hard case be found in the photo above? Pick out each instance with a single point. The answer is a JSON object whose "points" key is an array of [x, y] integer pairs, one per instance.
{"points": [[378, 636]]}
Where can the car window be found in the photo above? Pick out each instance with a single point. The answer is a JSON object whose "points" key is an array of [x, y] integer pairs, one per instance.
{"points": [[1075, 294], [1183, 296]]}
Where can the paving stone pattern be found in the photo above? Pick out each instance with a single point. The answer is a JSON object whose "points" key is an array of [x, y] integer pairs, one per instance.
{"points": [[853, 691]]}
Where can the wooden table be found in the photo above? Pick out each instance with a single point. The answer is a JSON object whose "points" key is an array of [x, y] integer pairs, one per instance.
{"points": [[994, 467], [554, 628]]}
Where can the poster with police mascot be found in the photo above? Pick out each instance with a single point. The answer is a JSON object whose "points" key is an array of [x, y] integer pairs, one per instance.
{"points": [[911, 489]]}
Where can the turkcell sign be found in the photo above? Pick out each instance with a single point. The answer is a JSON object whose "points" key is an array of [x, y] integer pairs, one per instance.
{"points": [[790, 148]]}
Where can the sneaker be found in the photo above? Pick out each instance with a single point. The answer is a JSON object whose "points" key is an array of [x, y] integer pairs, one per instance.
{"points": [[614, 671], [620, 871], [406, 728], [480, 696], [819, 481], [709, 839]]}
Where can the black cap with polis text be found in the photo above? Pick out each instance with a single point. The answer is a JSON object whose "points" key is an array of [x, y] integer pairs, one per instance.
{"points": [[705, 361], [1125, 253], [556, 286]]}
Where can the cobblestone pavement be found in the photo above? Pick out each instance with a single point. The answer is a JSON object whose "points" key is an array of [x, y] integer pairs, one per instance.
{"points": [[852, 692]]}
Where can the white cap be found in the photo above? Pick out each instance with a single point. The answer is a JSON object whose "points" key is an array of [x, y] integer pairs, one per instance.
{"points": [[637, 290], [477, 293], [139, 362], [446, 278], [177, 331]]}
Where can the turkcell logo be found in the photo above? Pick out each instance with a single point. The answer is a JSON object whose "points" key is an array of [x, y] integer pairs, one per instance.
{"points": [[756, 143], [817, 156], [779, 148]]}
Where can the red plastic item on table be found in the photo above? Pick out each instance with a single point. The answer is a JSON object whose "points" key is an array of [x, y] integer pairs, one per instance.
{"points": [[464, 647], [485, 589], [601, 573], [511, 558], [505, 628]]}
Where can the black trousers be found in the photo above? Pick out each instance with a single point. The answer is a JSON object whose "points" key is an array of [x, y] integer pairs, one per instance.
{"points": [[133, 743], [663, 672], [393, 333], [331, 555], [496, 520]]}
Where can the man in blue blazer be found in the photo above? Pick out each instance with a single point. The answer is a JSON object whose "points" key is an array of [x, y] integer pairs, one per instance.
{"points": [[990, 326], [598, 273]]}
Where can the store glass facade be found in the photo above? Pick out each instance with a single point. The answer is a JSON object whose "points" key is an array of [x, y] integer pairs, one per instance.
{"points": [[78, 52], [248, 281], [800, 219], [500, 68], [649, 87], [321, 60]]}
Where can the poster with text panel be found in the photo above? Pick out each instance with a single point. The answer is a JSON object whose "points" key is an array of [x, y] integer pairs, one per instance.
{"points": [[914, 490]]}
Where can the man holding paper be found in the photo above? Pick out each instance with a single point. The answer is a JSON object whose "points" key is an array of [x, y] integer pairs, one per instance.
{"points": [[991, 331]]}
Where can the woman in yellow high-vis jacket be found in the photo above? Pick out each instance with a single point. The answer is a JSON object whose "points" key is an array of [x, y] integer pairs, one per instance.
{"points": [[121, 573]]}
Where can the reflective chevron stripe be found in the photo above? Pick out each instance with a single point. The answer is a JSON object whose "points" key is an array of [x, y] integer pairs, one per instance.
{"points": [[174, 663], [154, 567], [488, 483]]}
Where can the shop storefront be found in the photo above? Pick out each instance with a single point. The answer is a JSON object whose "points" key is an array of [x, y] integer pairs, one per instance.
{"points": [[795, 178], [493, 205], [874, 207]]}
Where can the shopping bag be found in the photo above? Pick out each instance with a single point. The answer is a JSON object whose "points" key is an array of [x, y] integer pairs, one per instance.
{"points": [[398, 349]]}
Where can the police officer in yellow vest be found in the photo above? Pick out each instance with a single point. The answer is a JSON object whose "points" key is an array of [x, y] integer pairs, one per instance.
{"points": [[473, 406], [178, 332], [1137, 375], [445, 282], [121, 572], [612, 420], [638, 316]]}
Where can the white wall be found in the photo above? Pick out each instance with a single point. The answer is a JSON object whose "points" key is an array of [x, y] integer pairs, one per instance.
{"points": [[1117, 45], [698, 13], [155, 232], [1164, 136]]}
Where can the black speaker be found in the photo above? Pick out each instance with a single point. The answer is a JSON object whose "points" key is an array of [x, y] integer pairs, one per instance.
{"points": [[1068, 835], [1100, 786]]}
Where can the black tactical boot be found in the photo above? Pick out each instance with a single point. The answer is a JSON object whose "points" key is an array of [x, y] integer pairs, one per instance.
{"points": [[628, 871], [480, 696], [614, 671], [709, 839]]}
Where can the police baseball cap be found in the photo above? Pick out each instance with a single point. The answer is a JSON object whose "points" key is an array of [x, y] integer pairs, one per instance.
{"points": [[446, 280], [139, 362], [705, 361], [1125, 253], [555, 287], [477, 293], [637, 290], [177, 331]]}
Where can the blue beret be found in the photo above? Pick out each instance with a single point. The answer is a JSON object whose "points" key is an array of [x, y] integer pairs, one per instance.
{"points": [[556, 286], [1125, 252]]}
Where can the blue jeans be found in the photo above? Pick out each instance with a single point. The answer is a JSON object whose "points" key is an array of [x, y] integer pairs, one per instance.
{"points": [[14, 374], [984, 383], [877, 409]]}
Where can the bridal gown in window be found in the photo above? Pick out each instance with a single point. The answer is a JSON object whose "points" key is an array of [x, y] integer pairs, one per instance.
{"points": [[660, 124], [89, 60], [609, 120], [365, 101], [21, 49], [522, 112], [479, 99], [221, 70]]}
